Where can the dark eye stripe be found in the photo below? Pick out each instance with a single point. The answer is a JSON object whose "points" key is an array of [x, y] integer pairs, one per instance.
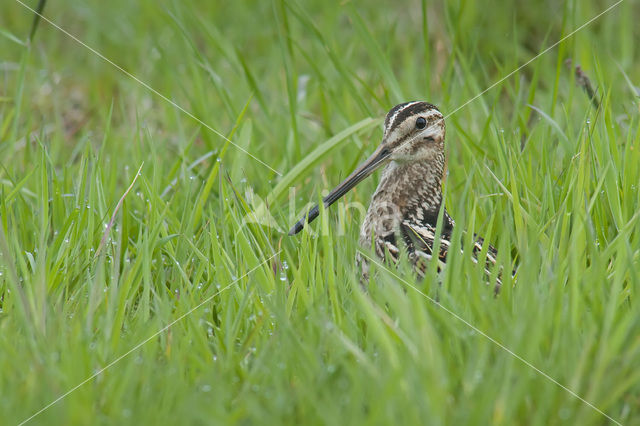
{"points": [[399, 115]]}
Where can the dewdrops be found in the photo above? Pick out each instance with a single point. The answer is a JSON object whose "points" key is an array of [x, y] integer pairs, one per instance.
{"points": [[283, 273]]}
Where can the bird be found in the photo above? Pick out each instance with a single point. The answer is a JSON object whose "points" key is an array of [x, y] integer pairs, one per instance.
{"points": [[408, 200]]}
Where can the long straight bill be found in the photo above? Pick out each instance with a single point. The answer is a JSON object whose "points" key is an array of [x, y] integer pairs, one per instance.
{"points": [[372, 163]]}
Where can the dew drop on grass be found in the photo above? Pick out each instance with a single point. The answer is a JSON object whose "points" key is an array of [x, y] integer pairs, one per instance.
{"points": [[205, 388], [210, 331], [215, 358], [199, 286]]}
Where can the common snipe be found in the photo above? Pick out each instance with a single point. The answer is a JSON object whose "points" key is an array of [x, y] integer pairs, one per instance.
{"points": [[406, 204]]}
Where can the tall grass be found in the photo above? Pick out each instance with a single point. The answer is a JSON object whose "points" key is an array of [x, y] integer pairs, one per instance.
{"points": [[532, 165]]}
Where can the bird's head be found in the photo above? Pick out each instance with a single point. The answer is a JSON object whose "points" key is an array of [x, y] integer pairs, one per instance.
{"points": [[413, 131]]}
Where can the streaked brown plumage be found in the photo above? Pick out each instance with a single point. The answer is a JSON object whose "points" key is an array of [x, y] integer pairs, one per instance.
{"points": [[408, 199]]}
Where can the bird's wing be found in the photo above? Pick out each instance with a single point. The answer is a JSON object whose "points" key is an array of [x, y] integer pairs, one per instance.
{"points": [[420, 239], [420, 242]]}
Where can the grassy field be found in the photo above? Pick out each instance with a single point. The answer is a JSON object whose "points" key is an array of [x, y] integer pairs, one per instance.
{"points": [[170, 307]]}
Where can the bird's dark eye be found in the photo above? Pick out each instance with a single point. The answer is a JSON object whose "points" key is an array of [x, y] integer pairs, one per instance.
{"points": [[421, 123]]}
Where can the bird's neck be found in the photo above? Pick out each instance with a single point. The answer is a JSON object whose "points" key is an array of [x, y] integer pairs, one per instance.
{"points": [[412, 185]]}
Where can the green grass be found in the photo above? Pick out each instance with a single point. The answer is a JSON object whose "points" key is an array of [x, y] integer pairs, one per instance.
{"points": [[292, 338]]}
